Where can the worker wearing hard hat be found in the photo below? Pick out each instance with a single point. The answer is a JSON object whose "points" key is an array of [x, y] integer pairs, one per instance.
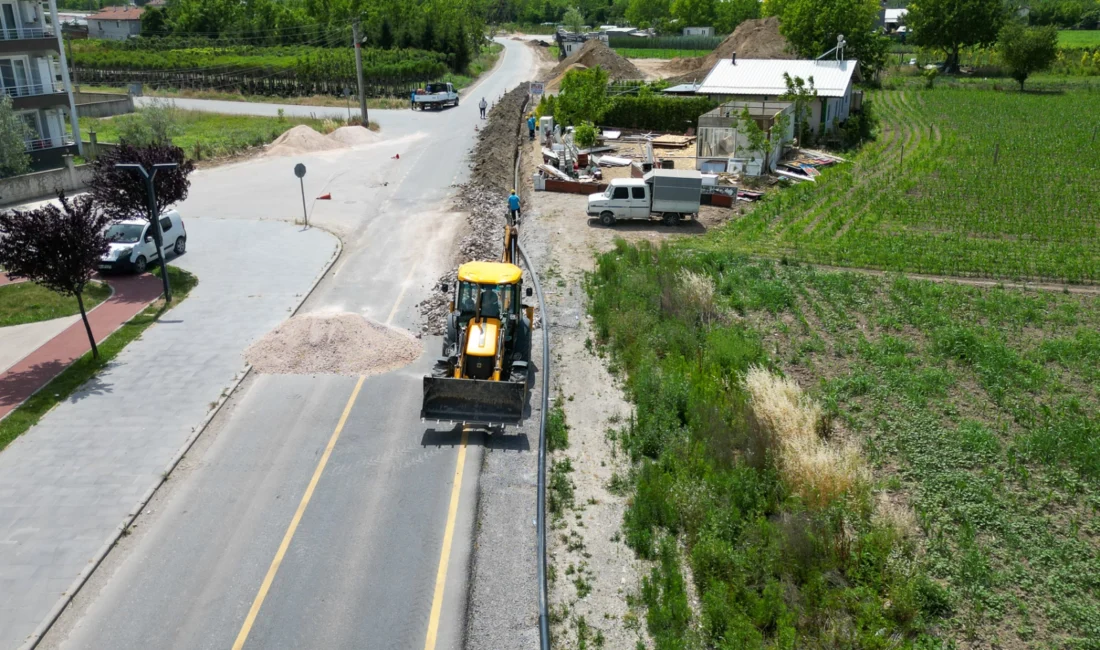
{"points": [[513, 207]]}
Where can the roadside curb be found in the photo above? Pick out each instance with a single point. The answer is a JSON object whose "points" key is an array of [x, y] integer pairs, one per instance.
{"points": [[36, 636]]}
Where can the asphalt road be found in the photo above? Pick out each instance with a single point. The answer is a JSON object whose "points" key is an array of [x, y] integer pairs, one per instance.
{"points": [[360, 567]]}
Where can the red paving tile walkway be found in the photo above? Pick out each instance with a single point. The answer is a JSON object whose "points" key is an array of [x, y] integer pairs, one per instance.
{"points": [[4, 279], [131, 295]]}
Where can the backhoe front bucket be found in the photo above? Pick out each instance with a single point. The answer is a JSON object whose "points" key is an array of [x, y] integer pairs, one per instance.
{"points": [[473, 401]]}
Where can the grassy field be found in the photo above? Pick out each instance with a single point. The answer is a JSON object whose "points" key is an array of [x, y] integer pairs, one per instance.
{"points": [[944, 492], [217, 134], [26, 302], [1079, 38], [642, 53], [29, 412], [959, 182]]}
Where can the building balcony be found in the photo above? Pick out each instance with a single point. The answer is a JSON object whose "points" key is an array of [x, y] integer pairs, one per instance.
{"points": [[43, 95], [42, 144], [27, 39]]}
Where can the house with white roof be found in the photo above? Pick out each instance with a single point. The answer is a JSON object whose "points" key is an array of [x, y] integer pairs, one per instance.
{"points": [[761, 80]]}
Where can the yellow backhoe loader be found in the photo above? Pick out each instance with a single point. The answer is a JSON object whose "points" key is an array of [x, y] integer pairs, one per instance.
{"points": [[482, 375]]}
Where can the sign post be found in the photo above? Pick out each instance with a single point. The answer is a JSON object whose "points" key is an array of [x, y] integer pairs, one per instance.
{"points": [[536, 88], [300, 172]]}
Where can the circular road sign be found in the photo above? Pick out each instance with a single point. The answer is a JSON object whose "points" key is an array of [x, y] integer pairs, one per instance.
{"points": [[299, 170]]}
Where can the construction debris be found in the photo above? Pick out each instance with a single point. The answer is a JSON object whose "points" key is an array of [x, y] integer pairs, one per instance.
{"points": [[672, 141]]}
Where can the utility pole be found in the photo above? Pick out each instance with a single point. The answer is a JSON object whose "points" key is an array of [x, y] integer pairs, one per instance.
{"points": [[74, 120], [154, 218], [357, 37]]}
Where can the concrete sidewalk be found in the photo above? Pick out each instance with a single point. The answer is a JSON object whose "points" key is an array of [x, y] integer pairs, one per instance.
{"points": [[130, 295], [68, 483]]}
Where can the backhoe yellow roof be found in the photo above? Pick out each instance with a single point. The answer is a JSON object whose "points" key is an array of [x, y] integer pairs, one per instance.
{"points": [[489, 273]]}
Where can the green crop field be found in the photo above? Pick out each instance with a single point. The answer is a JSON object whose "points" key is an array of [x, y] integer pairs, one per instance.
{"points": [[958, 182], [975, 413], [646, 53], [1079, 38]]}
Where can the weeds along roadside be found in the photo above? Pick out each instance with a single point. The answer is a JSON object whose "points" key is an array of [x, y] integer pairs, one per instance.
{"points": [[957, 424]]}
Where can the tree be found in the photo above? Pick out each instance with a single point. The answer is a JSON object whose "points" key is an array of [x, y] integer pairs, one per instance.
{"points": [[573, 20], [57, 247], [154, 22], [644, 13], [728, 14], [812, 28], [951, 25], [803, 94], [1027, 49], [121, 194], [13, 147], [755, 138], [693, 12], [583, 97], [155, 123]]}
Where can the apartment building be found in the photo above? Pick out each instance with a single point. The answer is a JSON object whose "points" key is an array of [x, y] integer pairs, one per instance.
{"points": [[31, 74]]}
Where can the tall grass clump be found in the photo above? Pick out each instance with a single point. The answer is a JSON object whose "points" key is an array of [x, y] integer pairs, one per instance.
{"points": [[819, 471]]}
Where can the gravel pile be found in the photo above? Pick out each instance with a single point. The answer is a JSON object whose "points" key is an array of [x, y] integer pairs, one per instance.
{"points": [[335, 343], [301, 139], [595, 53], [353, 136]]}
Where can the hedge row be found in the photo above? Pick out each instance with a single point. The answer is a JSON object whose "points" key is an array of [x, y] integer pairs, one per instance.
{"points": [[657, 112]]}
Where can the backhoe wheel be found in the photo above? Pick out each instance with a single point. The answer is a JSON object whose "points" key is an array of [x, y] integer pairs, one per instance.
{"points": [[670, 218], [607, 218]]}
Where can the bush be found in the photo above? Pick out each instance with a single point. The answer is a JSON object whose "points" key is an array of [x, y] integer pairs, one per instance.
{"points": [[156, 123], [584, 135]]}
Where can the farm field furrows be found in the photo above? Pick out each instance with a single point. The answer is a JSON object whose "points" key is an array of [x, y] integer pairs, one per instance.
{"points": [[958, 182]]}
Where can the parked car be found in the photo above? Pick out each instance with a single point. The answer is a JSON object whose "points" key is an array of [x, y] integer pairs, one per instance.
{"points": [[132, 247]]}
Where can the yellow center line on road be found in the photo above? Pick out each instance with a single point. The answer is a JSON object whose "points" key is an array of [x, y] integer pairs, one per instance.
{"points": [[445, 554], [275, 563]]}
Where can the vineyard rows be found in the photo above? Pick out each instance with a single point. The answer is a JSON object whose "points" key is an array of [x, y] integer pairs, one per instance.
{"points": [[971, 182], [297, 70]]}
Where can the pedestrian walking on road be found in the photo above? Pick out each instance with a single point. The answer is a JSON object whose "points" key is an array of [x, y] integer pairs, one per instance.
{"points": [[483, 105], [412, 100], [531, 126], [513, 207]]}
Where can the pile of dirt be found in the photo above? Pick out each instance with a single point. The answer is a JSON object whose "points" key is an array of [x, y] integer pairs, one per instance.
{"points": [[753, 39], [494, 154], [353, 136], [484, 199], [595, 53], [487, 210], [301, 139], [336, 343]]}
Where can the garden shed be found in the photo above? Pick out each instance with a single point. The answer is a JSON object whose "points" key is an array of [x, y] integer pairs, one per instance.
{"points": [[722, 144]]}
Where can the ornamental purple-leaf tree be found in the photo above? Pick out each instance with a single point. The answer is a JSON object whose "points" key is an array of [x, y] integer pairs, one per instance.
{"points": [[121, 193], [56, 246]]}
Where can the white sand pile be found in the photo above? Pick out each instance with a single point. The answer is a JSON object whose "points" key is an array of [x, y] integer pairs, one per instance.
{"points": [[353, 136], [336, 343], [300, 139]]}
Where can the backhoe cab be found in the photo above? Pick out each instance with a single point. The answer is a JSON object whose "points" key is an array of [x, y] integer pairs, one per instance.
{"points": [[482, 375]]}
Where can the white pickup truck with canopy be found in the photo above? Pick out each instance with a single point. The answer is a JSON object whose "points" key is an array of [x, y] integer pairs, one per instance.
{"points": [[436, 95]]}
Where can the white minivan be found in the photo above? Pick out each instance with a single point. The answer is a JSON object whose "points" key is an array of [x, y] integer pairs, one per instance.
{"points": [[131, 242]]}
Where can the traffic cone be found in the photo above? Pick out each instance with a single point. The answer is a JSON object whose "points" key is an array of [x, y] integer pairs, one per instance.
{"points": [[396, 156], [325, 197]]}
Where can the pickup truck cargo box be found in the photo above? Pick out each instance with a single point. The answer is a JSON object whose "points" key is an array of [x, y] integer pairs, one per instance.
{"points": [[675, 190]]}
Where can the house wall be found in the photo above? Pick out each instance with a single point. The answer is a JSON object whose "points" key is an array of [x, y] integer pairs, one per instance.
{"points": [[839, 107], [698, 31], [115, 30], [103, 104]]}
